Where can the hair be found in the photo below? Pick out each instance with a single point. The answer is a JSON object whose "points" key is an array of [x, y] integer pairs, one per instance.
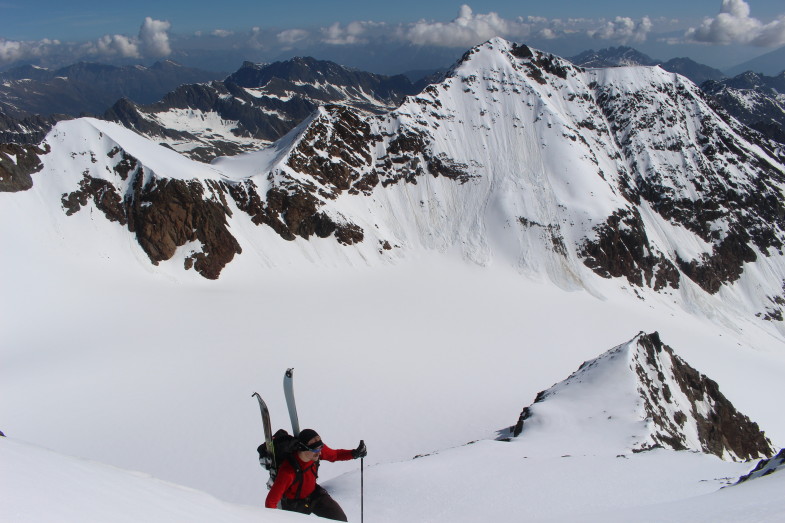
{"points": [[305, 436]]}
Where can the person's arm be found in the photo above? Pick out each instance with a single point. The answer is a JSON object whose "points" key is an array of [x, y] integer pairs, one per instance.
{"points": [[329, 454], [283, 481]]}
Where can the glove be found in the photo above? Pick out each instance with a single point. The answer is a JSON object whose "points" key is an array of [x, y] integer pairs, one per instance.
{"points": [[360, 451]]}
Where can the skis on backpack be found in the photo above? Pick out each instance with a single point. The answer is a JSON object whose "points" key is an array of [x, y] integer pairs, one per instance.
{"points": [[278, 447], [266, 459], [288, 391]]}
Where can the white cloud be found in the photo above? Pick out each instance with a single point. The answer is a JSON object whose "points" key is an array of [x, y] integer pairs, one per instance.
{"points": [[292, 36], [152, 42], [221, 33], [353, 33], [623, 29], [735, 25], [13, 50], [115, 45], [466, 30], [255, 41], [154, 39]]}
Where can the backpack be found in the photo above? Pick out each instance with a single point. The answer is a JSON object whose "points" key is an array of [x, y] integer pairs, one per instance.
{"points": [[284, 446]]}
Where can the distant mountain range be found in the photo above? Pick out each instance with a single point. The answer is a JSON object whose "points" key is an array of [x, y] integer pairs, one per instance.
{"points": [[756, 100], [772, 64], [256, 105], [89, 88], [625, 56]]}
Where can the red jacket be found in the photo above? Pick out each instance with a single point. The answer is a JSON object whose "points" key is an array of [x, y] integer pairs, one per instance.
{"points": [[286, 484]]}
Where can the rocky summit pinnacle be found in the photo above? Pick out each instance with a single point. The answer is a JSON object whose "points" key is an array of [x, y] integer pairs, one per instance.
{"points": [[640, 396]]}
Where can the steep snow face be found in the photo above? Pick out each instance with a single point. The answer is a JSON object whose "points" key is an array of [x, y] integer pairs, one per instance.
{"points": [[518, 155], [638, 396]]}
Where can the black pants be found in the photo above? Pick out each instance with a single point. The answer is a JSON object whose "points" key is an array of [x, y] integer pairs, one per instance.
{"points": [[319, 503]]}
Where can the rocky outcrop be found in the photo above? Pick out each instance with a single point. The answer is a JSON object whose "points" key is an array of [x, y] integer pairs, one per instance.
{"points": [[721, 429], [683, 409], [17, 164], [164, 214], [765, 467], [622, 249]]}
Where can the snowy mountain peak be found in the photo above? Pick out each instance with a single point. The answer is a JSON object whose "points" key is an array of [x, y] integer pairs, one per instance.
{"points": [[498, 54], [638, 396]]}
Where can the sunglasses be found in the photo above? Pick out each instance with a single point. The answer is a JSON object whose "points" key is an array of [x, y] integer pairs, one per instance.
{"points": [[315, 449]]}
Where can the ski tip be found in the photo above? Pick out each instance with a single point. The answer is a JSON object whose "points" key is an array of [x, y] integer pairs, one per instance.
{"points": [[289, 373]]}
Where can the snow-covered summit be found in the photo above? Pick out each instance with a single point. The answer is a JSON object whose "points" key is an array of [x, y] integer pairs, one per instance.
{"points": [[638, 396]]}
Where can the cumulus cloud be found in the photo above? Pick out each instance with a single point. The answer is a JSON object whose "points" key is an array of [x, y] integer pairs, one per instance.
{"points": [[151, 42], [154, 37], [353, 33], [292, 36], [735, 25], [13, 50], [466, 30], [623, 29], [115, 45]]}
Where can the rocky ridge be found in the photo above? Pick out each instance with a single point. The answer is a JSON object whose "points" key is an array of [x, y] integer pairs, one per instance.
{"points": [[756, 100], [654, 394], [257, 104]]}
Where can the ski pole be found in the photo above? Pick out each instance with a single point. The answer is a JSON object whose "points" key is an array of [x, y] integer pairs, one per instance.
{"points": [[362, 488]]}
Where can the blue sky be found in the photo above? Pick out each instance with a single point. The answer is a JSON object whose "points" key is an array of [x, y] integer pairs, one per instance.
{"points": [[716, 32]]}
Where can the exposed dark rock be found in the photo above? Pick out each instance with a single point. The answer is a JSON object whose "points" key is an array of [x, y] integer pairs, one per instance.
{"points": [[103, 194], [765, 467], [166, 214], [621, 249], [348, 234], [724, 265], [721, 428], [17, 164]]}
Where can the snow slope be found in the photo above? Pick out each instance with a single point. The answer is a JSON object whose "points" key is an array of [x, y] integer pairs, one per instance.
{"points": [[453, 485], [40, 486]]}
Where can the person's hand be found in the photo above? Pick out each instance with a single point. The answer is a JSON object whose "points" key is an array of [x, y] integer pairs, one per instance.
{"points": [[360, 451]]}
